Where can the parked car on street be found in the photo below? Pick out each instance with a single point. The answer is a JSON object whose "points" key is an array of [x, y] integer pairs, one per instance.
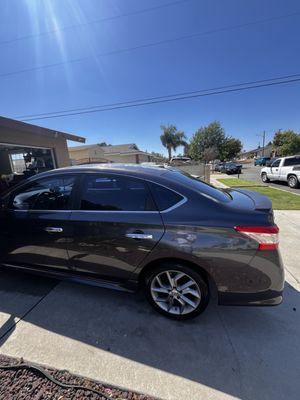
{"points": [[177, 161], [261, 161], [218, 167], [158, 229], [231, 168], [285, 169]]}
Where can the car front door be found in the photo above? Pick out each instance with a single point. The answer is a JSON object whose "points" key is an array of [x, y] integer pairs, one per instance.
{"points": [[115, 227], [35, 226], [274, 170]]}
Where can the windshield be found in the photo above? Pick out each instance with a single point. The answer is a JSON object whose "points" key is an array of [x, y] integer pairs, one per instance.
{"points": [[200, 186]]}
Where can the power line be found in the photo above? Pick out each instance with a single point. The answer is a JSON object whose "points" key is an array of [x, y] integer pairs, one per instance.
{"points": [[148, 101], [163, 97], [94, 22], [146, 45]]}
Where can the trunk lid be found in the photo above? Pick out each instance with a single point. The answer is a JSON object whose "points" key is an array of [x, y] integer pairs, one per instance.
{"points": [[249, 200]]}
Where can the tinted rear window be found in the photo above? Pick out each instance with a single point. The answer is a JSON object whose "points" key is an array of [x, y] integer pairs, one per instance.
{"points": [[164, 198], [291, 161], [200, 186]]}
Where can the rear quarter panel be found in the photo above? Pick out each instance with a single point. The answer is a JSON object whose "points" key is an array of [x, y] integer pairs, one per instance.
{"points": [[202, 232]]}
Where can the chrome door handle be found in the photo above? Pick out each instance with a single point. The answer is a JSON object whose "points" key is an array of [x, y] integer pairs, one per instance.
{"points": [[139, 236], [51, 229]]}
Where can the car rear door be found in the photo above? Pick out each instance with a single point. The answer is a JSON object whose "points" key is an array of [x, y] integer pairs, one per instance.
{"points": [[115, 226], [287, 167], [34, 224]]}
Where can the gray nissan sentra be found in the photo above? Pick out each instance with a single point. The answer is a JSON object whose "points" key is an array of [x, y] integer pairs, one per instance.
{"points": [[129, 227]]}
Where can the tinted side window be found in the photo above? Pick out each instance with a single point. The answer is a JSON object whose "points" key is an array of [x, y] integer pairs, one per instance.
{"points": [[44, 194], [115, 193], [164, 198], [292, 161], [276, 163], [200, 186]]}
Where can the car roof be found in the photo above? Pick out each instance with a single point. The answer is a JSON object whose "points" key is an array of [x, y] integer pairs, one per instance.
{"points": [[296, 156], [136, 169]]}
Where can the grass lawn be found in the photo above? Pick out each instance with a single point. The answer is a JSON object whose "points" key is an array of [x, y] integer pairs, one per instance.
{"points": [[281, 200], [235, 182]]}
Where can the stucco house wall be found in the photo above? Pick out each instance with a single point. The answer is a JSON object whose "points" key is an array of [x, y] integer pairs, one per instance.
{"points": [[87, 154], [128, 158], [117, 154]]}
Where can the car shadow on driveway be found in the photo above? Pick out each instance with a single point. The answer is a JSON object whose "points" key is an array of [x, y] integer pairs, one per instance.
{"points": [[243, 352]]}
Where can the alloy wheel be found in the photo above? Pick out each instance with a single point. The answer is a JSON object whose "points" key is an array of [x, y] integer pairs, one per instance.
{"points": [[264, 177], [175, 292], [292, 181]]}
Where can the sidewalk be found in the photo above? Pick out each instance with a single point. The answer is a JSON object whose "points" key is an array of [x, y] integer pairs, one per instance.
{"points": [[114, 337], [214, 180]]}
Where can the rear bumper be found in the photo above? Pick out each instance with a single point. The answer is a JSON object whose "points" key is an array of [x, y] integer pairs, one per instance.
{"points": [[261, 285], [267, 298]]}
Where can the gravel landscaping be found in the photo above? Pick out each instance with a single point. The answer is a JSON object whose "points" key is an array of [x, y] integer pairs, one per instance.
{"points": [[28, 384]]}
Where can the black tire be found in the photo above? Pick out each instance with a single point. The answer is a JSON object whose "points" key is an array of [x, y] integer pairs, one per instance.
{"points": [[293, 182], [188, 272], [264, 178]]}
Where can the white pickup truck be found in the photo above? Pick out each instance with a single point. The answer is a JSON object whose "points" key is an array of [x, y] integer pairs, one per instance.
{"points": [[285, 169]]}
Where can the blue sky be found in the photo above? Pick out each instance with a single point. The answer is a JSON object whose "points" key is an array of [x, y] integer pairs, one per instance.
{"points": [[244, 54]]}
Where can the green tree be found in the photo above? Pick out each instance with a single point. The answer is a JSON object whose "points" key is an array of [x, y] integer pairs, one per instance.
{"points": [[172, 138], [210, 153], [103, 144], [230, 148], [209, 137], [287, 143]]}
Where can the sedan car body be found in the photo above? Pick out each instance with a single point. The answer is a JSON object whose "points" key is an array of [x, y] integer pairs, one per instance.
{"points": [[127, 226], [231, 168]]}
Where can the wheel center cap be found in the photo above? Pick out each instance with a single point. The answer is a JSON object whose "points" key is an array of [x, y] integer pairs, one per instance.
{"points": [[174, 294]]}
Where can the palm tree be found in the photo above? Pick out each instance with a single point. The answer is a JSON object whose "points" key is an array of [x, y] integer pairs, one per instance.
{"points": [[172, 138]]}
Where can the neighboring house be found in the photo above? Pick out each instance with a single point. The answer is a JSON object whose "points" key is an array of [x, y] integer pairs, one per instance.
{"points": [[86, 154], [123, 153], [267, 151]]}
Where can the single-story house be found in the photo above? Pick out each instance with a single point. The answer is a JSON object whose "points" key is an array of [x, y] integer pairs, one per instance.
{"points": [[122, 153], [31, 148], [266, 151]]}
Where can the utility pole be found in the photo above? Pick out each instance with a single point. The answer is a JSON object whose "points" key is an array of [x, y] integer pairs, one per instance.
{"points": [[263, 136], [264, 139]]}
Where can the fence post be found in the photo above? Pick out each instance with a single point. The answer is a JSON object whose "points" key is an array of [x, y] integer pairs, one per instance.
{"points": [[207, 173]]}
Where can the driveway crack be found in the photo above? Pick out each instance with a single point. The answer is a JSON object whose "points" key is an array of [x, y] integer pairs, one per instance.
{"points": [[235, 353]]}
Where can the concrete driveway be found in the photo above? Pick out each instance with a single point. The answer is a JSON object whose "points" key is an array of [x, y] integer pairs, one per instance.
{"points": [[114, 337]]}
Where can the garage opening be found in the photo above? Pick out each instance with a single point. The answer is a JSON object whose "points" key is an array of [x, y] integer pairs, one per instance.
{"points": [[21, 162], [26, 150]]}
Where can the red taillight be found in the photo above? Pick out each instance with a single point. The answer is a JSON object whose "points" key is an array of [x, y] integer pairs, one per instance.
{"points": [[266, 236]]}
